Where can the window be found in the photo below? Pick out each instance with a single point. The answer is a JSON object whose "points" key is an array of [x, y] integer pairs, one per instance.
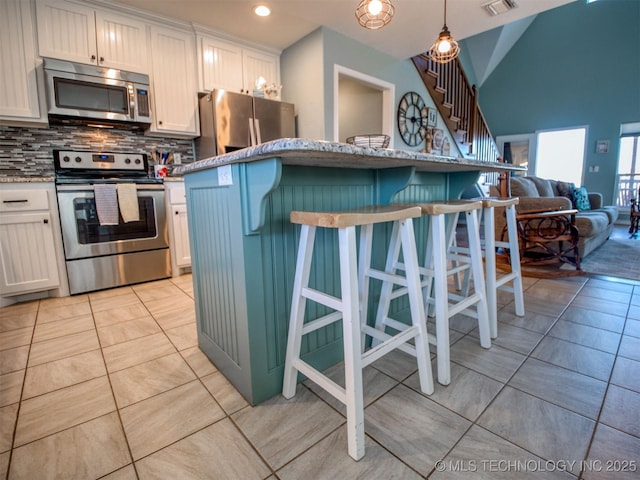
{"points": [[560, 154], [628, 169]]}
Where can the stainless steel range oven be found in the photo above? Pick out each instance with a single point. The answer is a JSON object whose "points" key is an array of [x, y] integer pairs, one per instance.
{"points": [[103, 254]]}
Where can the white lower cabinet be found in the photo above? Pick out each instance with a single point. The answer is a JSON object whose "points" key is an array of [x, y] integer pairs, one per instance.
{"points": [[30, 245], [178, 228]]}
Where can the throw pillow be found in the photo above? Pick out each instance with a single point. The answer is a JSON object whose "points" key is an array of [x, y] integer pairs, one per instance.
{"points": [[523, 187], [581, 199], [543, 186], [565, 189]]}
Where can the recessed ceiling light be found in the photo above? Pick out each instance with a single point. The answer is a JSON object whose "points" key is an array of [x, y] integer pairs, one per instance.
{"points": [[262, 11]]}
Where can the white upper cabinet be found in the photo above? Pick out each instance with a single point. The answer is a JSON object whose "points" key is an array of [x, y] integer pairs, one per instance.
{"points": [[173, 80], [259, 64], [233, 67], [19, 100], [220, 65], [70, 31]]}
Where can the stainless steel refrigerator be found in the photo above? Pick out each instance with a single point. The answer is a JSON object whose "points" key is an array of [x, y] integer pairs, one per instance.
{"points": [[230, 121]]}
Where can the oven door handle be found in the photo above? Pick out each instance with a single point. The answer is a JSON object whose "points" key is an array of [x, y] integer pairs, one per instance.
{"points": [[89, 188]]}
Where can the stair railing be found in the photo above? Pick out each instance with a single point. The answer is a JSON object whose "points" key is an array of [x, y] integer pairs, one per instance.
{"points": [[457, 102]]}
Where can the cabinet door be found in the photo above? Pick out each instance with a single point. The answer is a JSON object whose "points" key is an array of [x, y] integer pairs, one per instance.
{"points": [[66, 31], [181, 235], [27, 253], [220, 65], [122, 42], [174, 83], [19, 92], [258, 64]]}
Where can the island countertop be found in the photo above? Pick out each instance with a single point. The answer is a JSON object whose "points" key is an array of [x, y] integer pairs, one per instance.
{"points": [[318, 153]]}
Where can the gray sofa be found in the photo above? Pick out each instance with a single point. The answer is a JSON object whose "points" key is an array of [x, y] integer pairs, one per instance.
{"points": [[594, 225]]}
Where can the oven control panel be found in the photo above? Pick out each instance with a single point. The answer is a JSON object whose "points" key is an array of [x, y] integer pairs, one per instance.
{"points": [[84, 161]]}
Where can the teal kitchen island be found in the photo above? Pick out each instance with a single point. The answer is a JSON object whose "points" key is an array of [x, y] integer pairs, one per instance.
{"points": [[243, 246]]}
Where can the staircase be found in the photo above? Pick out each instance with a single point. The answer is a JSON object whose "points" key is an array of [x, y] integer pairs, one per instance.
{"points": [[456, 100]]}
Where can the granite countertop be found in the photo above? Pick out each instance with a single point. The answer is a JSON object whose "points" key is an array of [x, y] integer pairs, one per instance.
{"points": [[300, 151], [8, 179]]}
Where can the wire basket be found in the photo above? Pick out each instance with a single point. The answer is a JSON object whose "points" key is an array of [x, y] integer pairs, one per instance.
{"points": [[370, 141]]}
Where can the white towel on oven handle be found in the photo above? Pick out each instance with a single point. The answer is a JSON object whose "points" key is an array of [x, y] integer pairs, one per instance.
{"points": [[128, 201], [106, 203]]}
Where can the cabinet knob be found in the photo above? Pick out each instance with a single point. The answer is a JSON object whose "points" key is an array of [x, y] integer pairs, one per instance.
{"points": [[159, 122], [93, 58], [177, 212], [45, 220], [101, 59]]}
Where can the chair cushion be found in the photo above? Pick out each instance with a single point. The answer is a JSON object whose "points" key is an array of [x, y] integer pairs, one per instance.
{"points": [[543, 186], [581, 199], [523, 187]]}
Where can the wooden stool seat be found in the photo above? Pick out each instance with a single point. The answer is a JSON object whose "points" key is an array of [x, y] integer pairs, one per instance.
{"points": [[351, 306], [492, 202], [361, 216], [448, 207]]}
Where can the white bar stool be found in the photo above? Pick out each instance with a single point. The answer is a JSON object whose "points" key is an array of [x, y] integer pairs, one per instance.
{"points": [[490, 244], [493, 283], [351, 307], [436, 272]]}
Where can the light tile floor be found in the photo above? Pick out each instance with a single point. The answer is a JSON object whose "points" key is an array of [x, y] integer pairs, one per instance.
{"points": [[112, 385]]}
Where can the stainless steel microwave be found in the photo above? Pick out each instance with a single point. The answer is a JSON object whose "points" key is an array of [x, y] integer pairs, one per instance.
{"points": [[87, 92]]}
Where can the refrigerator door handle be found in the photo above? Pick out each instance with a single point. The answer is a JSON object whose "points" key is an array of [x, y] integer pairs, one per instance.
{"points": [[258, 135], [252, 133]]}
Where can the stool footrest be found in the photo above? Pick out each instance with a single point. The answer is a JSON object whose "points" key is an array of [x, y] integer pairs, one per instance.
{"points": [[322, 298], [390, 343], [322, 380], [388, 277], [506, 279], [463, 304], [320, 322]]}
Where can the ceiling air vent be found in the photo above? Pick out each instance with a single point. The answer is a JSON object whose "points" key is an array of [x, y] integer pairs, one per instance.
{"points": [[499, 6]]}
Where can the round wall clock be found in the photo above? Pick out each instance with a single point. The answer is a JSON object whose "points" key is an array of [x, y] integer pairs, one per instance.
{"points": [[412, 118]]}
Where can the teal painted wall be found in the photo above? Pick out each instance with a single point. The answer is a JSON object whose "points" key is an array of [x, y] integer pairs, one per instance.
{"points": [[566, 71]]}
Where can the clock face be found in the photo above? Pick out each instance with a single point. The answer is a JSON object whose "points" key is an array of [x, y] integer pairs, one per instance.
{"points": [[412, 118]]}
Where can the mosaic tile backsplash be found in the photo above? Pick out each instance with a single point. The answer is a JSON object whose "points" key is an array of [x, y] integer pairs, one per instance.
{"points": [[28, 152]]}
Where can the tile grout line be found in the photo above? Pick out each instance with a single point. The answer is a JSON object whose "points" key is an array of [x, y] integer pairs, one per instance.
{"points": [[113, 396], [502, 388], [24, 377], [606, 392]]}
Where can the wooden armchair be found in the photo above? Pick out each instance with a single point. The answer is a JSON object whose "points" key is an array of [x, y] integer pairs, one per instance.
{"points": [[545, 236], [634, 215]]}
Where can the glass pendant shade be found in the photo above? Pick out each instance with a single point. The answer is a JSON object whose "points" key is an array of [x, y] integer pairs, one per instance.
{"points": [[374, 14]]}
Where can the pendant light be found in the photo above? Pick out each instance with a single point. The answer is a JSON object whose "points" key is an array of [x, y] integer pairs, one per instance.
{"points": [[446, 47], [374, 14]]}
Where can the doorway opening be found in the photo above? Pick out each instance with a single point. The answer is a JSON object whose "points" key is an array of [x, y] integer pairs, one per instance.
{"points": [[363, 105]]}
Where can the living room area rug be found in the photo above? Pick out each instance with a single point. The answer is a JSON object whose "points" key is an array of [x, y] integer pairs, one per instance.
{"points": [[617, 257]]}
